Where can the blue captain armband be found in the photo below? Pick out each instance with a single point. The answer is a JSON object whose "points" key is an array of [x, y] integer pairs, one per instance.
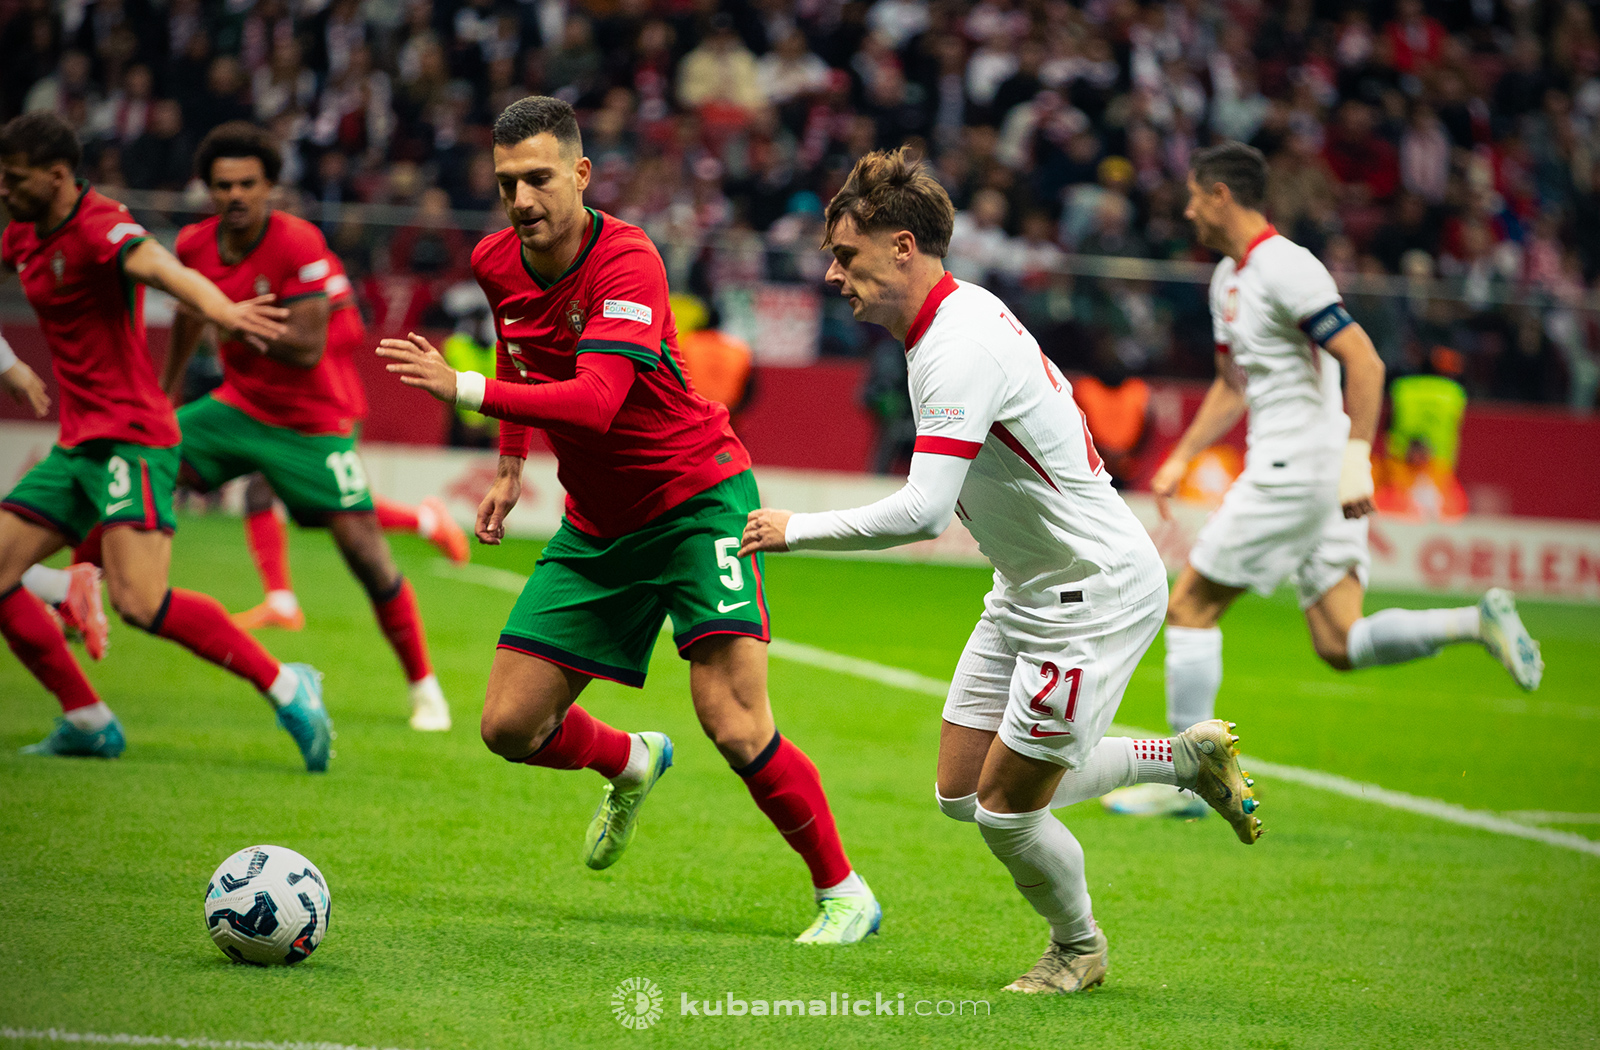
{"points": [[1327, 323]]}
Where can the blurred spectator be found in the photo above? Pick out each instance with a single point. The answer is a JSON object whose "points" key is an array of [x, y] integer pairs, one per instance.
{"points": [[122, 117], [720, 70], [1359, 158], [790, 73], [978, 242], [162, 158], [69, 83]]}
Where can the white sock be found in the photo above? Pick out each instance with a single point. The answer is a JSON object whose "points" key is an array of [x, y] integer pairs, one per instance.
{"points": [[427, 688], [283, 687], [1394, 636], [1046, 863], [47, 584], [284, 603], [1109, 766], [638, 763], [850, 886], [1194, 674], [90, 719], [963, 807], [427, 521]]}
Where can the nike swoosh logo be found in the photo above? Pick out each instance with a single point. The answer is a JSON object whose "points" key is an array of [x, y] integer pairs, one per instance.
{"points": [[112, 508], [350, 499], [511, 320], [729, 608], [1034, 731]]}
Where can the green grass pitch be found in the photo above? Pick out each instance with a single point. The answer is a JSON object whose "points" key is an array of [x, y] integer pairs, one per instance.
{"points": [[463, 917]]}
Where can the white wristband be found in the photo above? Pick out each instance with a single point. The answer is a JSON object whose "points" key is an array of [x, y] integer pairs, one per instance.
{"points": [[470, 387], [8, 356], [1355, 474]]}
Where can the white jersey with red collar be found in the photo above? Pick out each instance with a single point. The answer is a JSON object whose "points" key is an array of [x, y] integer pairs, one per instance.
{"points": [[1269, 314], [1001, 443]]}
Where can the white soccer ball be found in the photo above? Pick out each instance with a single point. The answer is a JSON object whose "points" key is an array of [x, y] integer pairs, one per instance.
{"points": [[267, 905]]}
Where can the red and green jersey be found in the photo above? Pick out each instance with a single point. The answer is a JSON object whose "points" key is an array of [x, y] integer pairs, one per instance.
{"points": [[92, 315], [291, 260], [667, 443]]}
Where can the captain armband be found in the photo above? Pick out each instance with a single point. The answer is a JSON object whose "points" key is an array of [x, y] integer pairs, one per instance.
{"points": [[1327, 323]]}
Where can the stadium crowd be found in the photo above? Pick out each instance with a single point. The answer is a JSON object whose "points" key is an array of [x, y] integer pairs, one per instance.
{"points": [[1451, 140]]}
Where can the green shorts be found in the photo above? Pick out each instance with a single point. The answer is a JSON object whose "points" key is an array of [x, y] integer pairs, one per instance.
{"points": [[314, 474], [101, 482], [596, 606]]}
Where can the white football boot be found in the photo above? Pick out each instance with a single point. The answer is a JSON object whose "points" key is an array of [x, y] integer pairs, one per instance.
{"points": [[1506, 638], [430, 712]]}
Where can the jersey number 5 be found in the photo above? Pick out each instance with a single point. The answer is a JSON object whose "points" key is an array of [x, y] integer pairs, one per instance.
{"points": [[1054, 676]]}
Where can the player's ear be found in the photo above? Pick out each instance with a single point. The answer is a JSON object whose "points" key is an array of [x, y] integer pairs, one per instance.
{"points": [[582, 170], [905, 246]]}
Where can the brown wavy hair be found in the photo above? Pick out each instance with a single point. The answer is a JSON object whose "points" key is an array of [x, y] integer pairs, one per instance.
{"points": [[893, 190]]}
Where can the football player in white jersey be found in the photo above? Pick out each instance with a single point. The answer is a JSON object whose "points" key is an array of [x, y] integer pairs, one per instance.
{"points": [[1298, 511], [1079, 590]]}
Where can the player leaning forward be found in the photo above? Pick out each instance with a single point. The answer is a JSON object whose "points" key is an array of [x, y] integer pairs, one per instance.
{"points": [[1299, 509], [658, 489], [1079, 590], [84, 263]]}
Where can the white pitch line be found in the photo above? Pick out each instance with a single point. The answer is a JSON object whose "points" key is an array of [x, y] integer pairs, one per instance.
{"points": [[56, 1035], [900, 678]]}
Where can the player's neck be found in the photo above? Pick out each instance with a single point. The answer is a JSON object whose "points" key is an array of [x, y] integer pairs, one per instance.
{"points": [[61, 206], [552, 264], [236, 243], [926, 274], [1243, 233]]}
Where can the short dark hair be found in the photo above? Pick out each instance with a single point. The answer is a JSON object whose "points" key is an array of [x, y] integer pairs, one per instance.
{"points": [[1241, 168], [238, 139], [535, 115], [43, 138], [891, 190]]}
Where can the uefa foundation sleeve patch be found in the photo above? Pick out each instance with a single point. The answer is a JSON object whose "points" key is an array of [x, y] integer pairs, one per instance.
{"points": [[622, 310]]}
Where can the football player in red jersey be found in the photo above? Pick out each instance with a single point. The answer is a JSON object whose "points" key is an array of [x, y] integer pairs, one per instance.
{"points": [[290, 411], [83, 262], [658, 489]]}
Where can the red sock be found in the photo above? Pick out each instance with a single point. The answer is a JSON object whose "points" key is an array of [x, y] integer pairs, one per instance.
{"points": [[402, 624], [788, 789], [582, 741], [199, 623], [39, 644], [89, 549], [268, 539], [393, 515]]}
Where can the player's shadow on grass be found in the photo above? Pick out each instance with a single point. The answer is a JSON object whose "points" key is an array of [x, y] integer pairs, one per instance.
{"points": [[743, 927]]}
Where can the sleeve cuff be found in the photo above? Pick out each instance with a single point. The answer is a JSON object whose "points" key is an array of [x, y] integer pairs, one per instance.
{"points": [[470, 387], [793, 537], [8, 356]]}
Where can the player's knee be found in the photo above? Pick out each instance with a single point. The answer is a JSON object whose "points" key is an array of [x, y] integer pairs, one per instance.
{"points": [[509, 738], [136, 601]]}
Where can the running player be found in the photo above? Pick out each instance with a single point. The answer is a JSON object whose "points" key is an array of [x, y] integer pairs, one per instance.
{"points": [[657, 492], [290, 411], [1299, 509], [1078, 587], [84, 262]]}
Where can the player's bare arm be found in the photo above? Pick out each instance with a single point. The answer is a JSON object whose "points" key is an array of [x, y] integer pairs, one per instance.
{"points": [[497, 503], [764, 530], [1223, 407], [26, 388], [418, 364], [187, 329], [1363, 370], [256, 320], [302, 345]]}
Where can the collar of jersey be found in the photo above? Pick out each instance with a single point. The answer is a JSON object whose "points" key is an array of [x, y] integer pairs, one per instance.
{"points": [[583, 253], [1265, 235], [930, 306], [83, 191], [253, 244]]}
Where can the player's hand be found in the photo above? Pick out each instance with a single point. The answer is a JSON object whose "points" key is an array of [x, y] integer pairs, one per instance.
{"points": [[418, 364], [502, 496], [1165, 484], [765, 530], [256, 321], [24, 384]]}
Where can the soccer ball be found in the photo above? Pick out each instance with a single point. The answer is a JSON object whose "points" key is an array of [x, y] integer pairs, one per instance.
{"points": [[267, 905]]}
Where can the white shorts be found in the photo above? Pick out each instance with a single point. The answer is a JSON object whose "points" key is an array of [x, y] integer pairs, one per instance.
{"points": [[1265, 534], [1048, 674]]}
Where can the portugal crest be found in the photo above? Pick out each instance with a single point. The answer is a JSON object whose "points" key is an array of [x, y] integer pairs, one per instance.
{"points": [[263, 286], [58, 266], [575, 316]]}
